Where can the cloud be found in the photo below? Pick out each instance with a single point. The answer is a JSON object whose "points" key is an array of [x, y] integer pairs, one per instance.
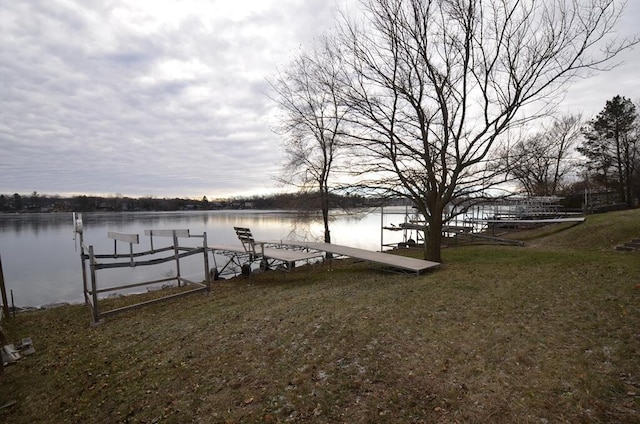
{"points": [[162, 98], [145, 97]]}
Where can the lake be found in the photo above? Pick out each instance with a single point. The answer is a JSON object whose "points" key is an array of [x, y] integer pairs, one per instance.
{"points": [[41, 255]]}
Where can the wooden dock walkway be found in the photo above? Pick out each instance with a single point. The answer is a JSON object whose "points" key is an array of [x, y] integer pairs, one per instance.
{"points": [[393, 261]]}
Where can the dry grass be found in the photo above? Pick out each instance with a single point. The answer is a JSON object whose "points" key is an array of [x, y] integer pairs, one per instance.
{"points": [[498, 334]]}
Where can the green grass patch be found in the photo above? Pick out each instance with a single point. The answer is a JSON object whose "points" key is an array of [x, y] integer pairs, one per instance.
{"points": [[548, 332]]}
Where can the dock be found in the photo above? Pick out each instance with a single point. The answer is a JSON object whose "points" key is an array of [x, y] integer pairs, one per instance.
{"points": [[398, 262], [285, 253], [575, 220]]}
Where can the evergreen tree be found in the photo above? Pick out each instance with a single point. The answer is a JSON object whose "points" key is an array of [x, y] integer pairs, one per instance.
{"points": [[611, 145], [17, 202]]}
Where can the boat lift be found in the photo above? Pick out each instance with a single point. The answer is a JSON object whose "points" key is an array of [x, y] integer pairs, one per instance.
{"points": [[131, 259]]}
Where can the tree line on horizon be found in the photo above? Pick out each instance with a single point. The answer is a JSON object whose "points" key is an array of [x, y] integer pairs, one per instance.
{"points": [[304, 202]]}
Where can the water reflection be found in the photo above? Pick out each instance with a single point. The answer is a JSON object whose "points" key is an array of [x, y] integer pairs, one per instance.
{"points": [[41, 262], [32, 222]]}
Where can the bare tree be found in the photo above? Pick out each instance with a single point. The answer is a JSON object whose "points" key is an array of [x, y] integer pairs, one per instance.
{"points": [[635, 175], [541, 162], [308, 95], [435, 84]]}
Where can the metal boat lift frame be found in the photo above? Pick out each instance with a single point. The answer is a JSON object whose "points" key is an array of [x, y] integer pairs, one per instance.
{"points": [[131, 259]]}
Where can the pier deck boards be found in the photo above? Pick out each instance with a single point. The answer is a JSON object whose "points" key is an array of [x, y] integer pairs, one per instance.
{"points": [[393, 261]]}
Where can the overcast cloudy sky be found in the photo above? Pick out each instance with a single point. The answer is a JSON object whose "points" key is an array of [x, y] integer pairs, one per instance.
{"points": [[166, 98]]}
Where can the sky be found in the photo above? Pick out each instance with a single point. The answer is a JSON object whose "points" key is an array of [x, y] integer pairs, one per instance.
{"points": [[168, 98]]}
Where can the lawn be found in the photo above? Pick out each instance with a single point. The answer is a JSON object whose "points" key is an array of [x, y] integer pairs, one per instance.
{"points": [[545, 333]]}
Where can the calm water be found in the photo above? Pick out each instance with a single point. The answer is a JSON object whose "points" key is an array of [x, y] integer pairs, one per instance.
{"points": [[41, 258]]}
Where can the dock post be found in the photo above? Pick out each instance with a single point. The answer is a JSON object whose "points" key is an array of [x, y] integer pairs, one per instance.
{"points": [[3, 289], [94, 287], [177, 255], [205, 248]]}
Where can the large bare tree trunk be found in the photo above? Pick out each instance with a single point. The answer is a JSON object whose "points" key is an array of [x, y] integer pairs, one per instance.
{"points": [[433, 240], [325, 214]]}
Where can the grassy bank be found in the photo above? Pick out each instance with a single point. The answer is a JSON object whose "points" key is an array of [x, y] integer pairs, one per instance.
{"points": [[548, 332]]}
